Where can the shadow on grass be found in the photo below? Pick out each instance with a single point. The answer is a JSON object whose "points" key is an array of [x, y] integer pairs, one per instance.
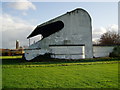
{"points": [[46, 60], [12, 61]]}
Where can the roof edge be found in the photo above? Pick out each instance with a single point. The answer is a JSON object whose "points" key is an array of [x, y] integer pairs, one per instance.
{"points": [[52, 20]]}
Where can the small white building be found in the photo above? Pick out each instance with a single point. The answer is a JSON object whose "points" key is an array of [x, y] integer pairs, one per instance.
{"points": [[68, 36]]}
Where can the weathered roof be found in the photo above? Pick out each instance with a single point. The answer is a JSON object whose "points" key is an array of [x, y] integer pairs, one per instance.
{"points": [[48, 29]]}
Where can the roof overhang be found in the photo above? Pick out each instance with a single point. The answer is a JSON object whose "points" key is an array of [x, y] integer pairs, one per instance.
{"points": [[47, 30]]}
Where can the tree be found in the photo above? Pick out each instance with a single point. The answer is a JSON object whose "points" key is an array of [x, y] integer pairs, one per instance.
{"points": [[115, 52], [110, 38]]}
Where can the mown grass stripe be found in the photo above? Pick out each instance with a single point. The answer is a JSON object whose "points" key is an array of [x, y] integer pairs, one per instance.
{"points": [[54, 65], [10, 57]]}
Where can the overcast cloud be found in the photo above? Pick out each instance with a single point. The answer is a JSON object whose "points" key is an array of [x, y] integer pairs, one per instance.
{"points": [[97, 32], [22, 5], [14, 29]]}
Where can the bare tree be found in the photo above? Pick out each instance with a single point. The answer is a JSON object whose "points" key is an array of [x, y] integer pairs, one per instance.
{"points": [[110, 38]]}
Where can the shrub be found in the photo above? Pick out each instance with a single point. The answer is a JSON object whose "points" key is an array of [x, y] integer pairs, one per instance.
{"points": [[115, 52]]}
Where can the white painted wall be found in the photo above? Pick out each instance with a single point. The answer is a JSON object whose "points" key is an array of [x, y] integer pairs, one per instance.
{"points": [[68, 52], [31, 54], [102, 51], [77, 30]]}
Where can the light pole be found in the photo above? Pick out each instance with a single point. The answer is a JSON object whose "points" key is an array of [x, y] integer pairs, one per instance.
{"points": [[29, 42]]}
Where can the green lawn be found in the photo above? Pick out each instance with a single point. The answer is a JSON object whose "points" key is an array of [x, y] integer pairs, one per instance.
{"points": [[10, 57], [100, 74]]}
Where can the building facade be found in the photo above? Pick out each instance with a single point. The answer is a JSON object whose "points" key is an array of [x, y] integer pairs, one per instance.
{"points": [[68, 36]]}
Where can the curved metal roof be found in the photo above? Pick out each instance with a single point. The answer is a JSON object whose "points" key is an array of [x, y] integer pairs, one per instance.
{"points": [[48, 29]]}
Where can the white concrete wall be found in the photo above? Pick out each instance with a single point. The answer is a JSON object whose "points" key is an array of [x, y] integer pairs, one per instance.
{"points": [[102, 51], [31, 54], [77, 30], [68, 52]]}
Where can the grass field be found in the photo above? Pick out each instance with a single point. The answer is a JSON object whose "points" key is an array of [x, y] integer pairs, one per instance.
{"points": [[100, 74], [10, 57]]}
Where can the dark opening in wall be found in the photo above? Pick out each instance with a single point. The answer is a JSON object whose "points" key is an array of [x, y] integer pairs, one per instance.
{"points": [[48, 29]]}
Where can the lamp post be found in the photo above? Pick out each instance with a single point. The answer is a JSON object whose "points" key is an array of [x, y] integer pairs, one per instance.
{"points": [[29, 42]]}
